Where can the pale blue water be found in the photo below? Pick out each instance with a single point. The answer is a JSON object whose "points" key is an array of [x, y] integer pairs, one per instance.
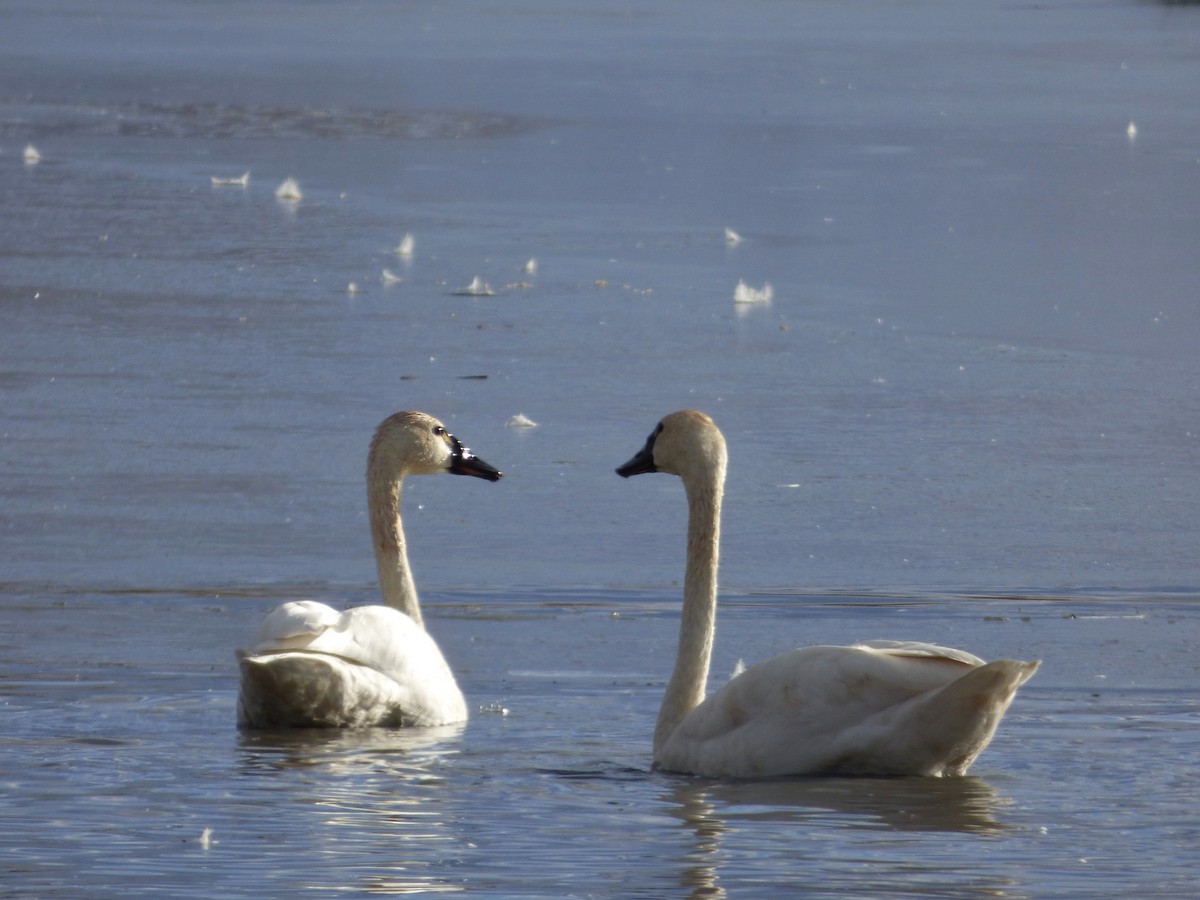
{"points": [[970, 414]]}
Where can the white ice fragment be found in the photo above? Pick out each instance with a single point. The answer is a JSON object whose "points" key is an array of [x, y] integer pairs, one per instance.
{"points": [[289, 190], [31, 155], [531, 266], [405, 247], [743, 293], [390, 277], [477, 288], [241, 181], [206, 839], [520, 420], [732, 238], [1131, 131]]}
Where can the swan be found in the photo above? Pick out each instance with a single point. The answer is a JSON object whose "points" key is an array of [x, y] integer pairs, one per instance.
{"points": [[372, 665], [874, 708]]}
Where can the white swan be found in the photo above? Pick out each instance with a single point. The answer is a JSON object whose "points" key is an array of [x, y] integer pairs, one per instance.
{"points": [[372, 665], [879, 708]]}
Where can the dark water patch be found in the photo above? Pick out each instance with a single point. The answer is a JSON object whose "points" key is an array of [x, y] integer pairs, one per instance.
{"points": [[101, 742], [215, 121]]}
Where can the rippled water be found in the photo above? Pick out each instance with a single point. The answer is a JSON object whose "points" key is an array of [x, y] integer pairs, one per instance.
{"points": [[969, 415], [121, 757]]}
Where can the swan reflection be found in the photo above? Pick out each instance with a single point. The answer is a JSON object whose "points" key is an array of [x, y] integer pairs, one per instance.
{"points": [[399, 752], [374, 801], [715, 811]]}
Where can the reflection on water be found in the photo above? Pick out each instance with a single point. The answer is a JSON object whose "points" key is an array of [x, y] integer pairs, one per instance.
{"points": [[710, 810], [373, 795], [967, 804], [138, 777], [407, 753]]}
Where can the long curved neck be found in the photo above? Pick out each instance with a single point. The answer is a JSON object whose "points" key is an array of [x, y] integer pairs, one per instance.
{"points": [[387, 533], [685, 690]]}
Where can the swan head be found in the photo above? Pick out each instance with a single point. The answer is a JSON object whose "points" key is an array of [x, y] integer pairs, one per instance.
{"points": [[686, 443], [415, 443]]}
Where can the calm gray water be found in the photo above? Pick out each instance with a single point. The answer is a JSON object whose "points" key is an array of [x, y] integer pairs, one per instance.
{"points": [[970, 414]]}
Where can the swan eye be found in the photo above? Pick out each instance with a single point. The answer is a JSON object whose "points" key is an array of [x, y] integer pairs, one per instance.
{"points": [[439, 430]]}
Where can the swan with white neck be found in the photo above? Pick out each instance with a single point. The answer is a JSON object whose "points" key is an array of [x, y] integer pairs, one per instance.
{"points": [[312, 666], [874, 708]]}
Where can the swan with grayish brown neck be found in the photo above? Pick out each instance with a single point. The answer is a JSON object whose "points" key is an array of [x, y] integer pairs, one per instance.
{"points": [[876, 707], [312, 665]]}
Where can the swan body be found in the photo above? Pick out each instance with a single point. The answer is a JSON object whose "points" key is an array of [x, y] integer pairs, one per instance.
{"points": [[873, 708], [313, 666]]}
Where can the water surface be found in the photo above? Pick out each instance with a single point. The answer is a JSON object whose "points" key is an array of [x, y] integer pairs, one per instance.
{"points": [[969, 415]]}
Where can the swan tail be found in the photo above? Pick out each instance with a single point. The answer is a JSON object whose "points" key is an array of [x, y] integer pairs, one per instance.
{"points": [[941, 733]]}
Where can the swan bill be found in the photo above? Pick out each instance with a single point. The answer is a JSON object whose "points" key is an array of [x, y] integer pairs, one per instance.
{"points": [[642, 461], [464, 462]]}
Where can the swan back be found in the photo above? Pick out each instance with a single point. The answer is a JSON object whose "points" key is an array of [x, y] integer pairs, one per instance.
{"points": [[864, 709], [371, 665]]}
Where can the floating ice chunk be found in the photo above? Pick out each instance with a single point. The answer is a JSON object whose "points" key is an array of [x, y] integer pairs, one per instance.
{"points": [[352, 288], [1131, 131], [531, 266], [241, 181], [390, 277], [732, 238], [738, 669], [520, 420], [289, 190], [405, 247], [31, 155], [206, 839], [743, 293], [477, 288]]}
